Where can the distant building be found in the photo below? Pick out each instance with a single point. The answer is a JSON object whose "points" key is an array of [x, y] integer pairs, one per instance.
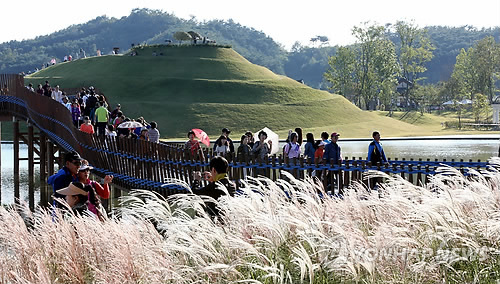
{"points": [[403, 85]]}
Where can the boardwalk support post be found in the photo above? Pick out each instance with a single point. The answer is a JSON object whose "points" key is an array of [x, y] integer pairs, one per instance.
{"points": [[16, 159]]}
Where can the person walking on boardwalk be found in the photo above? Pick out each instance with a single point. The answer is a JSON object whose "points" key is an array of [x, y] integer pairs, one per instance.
{"points": [[324, 137], [292, 148], [225, 132], [375, 151], [219, 184], [244, 150], [251, 140], [222, 147], [309, 148], [40, 90], [320, 151], [261, 149], [47, 90], [333, 150], [333, 156], [57, 94], [153, 133], [115, 112], [101, 118], [68, 173], [87, 126], [192, 147], [75, 114]]}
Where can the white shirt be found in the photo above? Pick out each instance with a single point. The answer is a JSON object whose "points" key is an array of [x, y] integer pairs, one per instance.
{"points": [[221, 150], [85, 99], [57, 95], [293, 150]]}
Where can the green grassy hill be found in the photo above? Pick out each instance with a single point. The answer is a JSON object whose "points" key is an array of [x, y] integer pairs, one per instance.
{"points": [[210, 88]]}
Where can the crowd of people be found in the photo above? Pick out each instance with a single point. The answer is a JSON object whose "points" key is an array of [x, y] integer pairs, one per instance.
{"points": [[326, 148], [74, 190], [73, 185], [90, 113]]}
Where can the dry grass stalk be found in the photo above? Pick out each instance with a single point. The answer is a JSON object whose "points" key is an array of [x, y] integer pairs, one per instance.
{"points": [[287, 231]]}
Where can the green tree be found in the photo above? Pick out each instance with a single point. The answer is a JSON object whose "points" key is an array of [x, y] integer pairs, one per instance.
{"points": [[194, 35], [182, 36], [476, 69], [480, 106], [483, 60], [429, 96], [367, 39], [340, 74], [463, 75], [375, 64], [365, 72], [415, 50], [386, 70]]}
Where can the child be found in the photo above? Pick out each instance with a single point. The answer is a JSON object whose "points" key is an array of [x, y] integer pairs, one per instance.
{"points": [[318, 154]]}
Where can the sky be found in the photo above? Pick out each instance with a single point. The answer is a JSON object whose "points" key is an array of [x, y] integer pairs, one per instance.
{"points": [[285, 21]]}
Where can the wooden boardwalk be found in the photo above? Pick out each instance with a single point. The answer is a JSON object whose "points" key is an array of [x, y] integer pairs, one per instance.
{"points": [[142, 164]]}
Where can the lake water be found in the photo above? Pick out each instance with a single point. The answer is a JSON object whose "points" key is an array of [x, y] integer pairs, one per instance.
{"points": [[451, 148], [427, 149]]}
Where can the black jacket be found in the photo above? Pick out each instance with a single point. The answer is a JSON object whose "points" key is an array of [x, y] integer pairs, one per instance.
{"points": [[214, 190], [375, 155]]}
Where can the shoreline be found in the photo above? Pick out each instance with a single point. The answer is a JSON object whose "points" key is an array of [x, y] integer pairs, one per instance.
{"points": [[440, 137]]}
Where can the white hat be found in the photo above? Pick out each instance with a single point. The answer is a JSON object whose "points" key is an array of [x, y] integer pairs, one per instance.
{"points": [[85, 165]]}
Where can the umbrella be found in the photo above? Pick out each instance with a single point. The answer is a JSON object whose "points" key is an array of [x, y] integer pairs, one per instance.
{"points": [[130, 124], [200, 134], [270, 136]]}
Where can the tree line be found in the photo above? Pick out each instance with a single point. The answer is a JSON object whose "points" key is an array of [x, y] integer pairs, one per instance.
{"points": [[309, 63], [385, 69]]}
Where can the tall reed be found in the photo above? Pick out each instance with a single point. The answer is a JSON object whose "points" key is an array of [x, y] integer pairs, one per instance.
{"points": [[288, 231]]}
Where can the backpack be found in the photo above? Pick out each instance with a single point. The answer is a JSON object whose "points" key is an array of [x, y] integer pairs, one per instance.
{"points": [[289, 148]]}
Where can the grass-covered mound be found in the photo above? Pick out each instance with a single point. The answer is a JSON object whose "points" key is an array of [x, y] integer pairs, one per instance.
{"points": [[211, 87]]}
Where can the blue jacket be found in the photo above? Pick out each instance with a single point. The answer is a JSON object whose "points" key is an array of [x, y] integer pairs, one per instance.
{"points": [[376, 153], [309, 150], [60, 180], [332, 151]]}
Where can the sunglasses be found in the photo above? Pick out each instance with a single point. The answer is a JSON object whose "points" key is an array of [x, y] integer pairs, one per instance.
{"points": [[77, 163], [85, 170]]}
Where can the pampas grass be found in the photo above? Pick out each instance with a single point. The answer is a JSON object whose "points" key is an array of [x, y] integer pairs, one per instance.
{"points": [[288, 231]]}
